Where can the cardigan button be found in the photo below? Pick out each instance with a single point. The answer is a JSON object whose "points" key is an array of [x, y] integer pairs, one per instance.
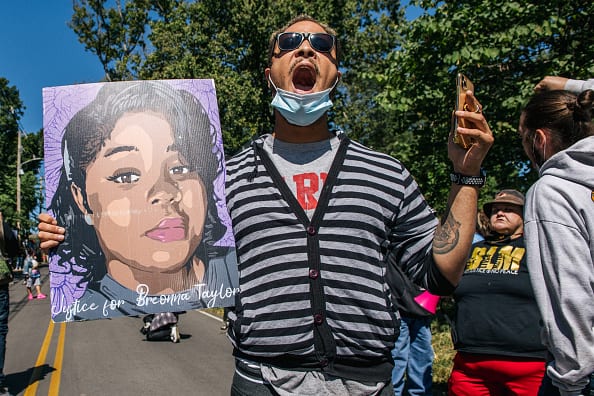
{"points": [[318, 319], [313, 273], [311, 230]]}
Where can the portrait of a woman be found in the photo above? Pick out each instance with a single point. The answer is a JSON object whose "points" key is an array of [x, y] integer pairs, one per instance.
{"points": [[139, 191]]}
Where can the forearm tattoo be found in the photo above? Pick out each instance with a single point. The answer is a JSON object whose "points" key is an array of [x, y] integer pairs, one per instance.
{"points": [[447, 235]]}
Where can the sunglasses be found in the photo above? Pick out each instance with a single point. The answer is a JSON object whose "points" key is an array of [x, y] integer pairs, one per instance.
{"points": [[504, 209], [321, 42]]}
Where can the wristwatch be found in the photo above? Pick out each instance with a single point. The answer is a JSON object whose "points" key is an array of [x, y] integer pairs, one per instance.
{"points": [[463, 180]]}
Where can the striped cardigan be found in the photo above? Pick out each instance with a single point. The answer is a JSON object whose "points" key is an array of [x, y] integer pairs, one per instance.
{"points": [[312, 292]]}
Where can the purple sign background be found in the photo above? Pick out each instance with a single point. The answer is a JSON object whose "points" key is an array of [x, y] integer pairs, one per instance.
{"points": [[60, 104]]}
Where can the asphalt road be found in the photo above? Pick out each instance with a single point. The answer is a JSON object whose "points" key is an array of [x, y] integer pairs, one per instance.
{"points": [[111, 357]]}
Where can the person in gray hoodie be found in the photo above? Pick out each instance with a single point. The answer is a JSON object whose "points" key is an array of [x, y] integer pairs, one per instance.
{"points": [[558, 136]]}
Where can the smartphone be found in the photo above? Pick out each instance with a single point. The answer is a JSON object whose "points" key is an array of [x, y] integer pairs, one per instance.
{"points": [[463, 84]]}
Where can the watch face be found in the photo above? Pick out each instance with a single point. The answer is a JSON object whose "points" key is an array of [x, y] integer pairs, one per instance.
{"points": [[462, 180], [473, 180]]}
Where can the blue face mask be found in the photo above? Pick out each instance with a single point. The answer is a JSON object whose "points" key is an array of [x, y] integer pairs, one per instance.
{"points": [[302, 109]]}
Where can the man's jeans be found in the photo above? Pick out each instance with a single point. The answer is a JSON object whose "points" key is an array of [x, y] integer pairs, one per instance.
{"points": [[4, 306], [413, 356]]}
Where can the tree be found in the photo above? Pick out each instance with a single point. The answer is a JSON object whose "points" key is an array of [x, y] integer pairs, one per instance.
{"points": [[373, 33], [505, 48], [116, 35], [397, 91], [225, 40], [11, 111], [32, 196]]}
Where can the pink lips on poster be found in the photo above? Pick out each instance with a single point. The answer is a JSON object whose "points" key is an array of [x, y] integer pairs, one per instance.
{"points": [[168, 230]]}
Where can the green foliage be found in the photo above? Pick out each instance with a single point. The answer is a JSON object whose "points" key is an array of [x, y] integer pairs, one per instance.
{"points": [[115, 35], [505, 48], [223, 40], [11, 111], [443, 348], [397, 90]]}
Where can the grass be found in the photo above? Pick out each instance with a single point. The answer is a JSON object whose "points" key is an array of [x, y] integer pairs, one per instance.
{"points": [[442, 347], [215, 311]]}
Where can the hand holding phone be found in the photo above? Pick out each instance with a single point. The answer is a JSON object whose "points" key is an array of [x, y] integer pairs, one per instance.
{"points": [[463, 103]]}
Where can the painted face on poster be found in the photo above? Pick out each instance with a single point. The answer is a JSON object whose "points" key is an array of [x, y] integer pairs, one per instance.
{"points": [[135, 172]]}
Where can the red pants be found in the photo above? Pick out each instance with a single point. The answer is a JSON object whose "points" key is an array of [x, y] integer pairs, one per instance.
{"points": [[491, 375]]}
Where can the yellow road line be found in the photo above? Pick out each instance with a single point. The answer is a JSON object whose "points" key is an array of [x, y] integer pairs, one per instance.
{"points": [[54, 388], [36, 375]]}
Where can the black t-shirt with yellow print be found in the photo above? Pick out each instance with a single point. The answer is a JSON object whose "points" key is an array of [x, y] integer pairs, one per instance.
{"points": [[496, 312]]}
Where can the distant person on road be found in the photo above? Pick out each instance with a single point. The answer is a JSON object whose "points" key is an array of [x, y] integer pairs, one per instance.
{"points": [[34, 281], [27, 263], [161, 326]]}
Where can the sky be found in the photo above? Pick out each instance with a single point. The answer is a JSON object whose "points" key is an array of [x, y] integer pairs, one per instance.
{"points": [[38, 49]]}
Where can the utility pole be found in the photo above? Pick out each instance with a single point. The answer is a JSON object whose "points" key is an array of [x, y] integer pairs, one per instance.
{"points": [[18, 187], [19, 171], [18, 179]]}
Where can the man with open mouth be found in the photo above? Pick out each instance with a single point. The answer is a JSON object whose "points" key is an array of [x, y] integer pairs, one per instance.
{"points": [[320, 223], [319, 220]]}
